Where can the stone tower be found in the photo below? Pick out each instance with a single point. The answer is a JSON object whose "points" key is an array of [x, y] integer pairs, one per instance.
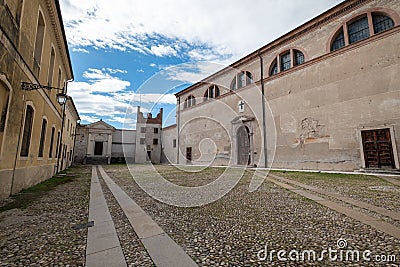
{"points": [[148, 137]]}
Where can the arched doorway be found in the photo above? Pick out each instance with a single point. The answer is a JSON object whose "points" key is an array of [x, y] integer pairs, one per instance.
{"points": [[243, 146]]}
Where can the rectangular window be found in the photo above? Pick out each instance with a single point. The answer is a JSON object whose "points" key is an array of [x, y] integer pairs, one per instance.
{"points": [[68, 125], [285, 61], [142, 129], [174, 143], [358, 30], [148, 147], [26, 139], [155, 141], [51, 142], [142, 141], [156, 130], [42, 138]]}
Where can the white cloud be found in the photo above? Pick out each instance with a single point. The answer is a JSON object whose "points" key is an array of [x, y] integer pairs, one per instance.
{"points": [[153, 65], [80, 50], [227, 27], [140, 70], [107, 96], [192, 72], [162, 50]]}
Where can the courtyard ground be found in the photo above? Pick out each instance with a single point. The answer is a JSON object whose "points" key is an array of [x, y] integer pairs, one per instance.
{"points": [[232, 231]]}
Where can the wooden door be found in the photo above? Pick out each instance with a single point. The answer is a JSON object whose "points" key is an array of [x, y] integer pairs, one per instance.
{"points": [[188, 154], [98, 148], [378, 150], [243, 144]]}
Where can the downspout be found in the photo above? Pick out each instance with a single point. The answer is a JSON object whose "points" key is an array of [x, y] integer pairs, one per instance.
{"points": [[60, 149], [178, 121], [263, 110], [73, 148], [19, 141]]}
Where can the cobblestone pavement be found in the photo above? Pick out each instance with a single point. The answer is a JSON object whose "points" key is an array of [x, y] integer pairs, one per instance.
{"points": [[42, 234], [366, 188], [234, 229]]}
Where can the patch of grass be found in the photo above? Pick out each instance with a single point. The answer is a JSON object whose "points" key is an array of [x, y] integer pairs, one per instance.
{"points": [[27, 196]]}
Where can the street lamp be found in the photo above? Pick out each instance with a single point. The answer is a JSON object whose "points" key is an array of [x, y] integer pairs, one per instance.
{"points": [[62, 98]]}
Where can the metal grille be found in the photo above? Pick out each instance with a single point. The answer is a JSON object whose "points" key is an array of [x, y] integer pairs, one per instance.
{"points": [[338, 42], [298, 57], [382, 23], [358, 30], [285, 61]]}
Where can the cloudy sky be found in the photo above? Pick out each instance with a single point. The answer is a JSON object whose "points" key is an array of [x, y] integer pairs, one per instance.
{"points": [[127, 53]]}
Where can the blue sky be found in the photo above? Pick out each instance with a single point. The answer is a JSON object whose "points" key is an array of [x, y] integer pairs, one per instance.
{"points": [[127, 53]]}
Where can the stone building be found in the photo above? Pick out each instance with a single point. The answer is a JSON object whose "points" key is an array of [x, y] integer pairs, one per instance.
{"points": [[100, 143], [148, 137], [34, 50], [332, 98]]}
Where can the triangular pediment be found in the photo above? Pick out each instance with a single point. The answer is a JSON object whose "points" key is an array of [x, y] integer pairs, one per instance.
{"points": [[100, 125]]}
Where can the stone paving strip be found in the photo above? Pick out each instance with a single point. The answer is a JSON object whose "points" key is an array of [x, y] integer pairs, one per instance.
{"points": [[369, 220], [389, 213], [103, 247], [161, 248]]}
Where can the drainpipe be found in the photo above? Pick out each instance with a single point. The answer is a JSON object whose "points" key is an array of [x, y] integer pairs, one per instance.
{"points": [[19, 141], [177, 126], [263, 110]]}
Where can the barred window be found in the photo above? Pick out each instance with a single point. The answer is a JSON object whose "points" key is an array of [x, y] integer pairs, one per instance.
{"points": [[189, 102], [382, 23], [358, 30], [285, 61], [211, 92], [339, 41], [241, 80], [298, 57]]}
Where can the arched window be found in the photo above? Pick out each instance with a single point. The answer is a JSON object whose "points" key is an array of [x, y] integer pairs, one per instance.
{"points": [[189, 102], [51, 142], [42, 138], [274, 68], [26, 139], [242, 79], [381, 23], [284, 61], [39, 40], [4, 103], [358, 30], [211, 92], [338, 42], [298, 57], [51, 68]]}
